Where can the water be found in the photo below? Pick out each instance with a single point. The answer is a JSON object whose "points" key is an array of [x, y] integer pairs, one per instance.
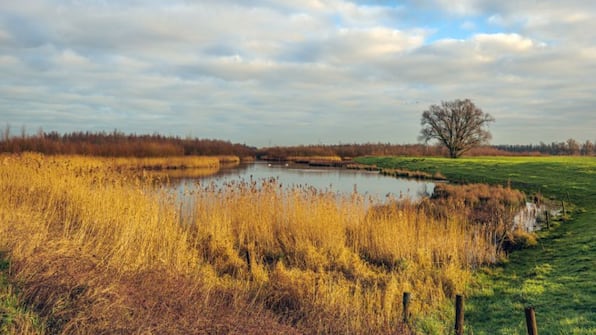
{"points": [[532, 217], [527, 217], [337, 180]]}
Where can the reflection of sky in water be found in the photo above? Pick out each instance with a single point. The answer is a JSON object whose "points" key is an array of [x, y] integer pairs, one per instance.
{"points": [[327, 179]]}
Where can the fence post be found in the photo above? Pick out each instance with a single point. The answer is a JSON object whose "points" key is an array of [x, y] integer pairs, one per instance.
{"points": [[531, 321], [406, 305], [459, 314], [568, 199], [247, 257]]}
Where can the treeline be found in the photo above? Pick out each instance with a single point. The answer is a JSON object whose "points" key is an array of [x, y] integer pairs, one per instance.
{"points": [[569, 147], [370, 149], [351, 150], [118, 144]]}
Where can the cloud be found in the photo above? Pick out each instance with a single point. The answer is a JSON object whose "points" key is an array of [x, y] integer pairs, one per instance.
{"points": [[504, 42], [295, 72]]}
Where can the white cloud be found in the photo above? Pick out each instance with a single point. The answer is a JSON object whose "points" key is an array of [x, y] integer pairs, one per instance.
{"points": [[501, 43], [334, 70], [69, 58]]}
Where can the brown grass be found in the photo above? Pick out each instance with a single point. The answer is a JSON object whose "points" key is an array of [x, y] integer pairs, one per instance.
{"points": [[313, 159], [96, 249], [492, 207], [399, 173], [168, 163]]}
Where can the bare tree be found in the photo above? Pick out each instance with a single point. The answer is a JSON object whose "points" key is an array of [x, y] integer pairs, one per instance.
{"points": [[459, 125], [573, 147], [6, 133], [588, 148]]}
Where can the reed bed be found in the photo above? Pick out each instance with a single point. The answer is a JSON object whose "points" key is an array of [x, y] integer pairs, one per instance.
{"points": [[94, 249], [171, 163], [172, 174], [175, 167], [313, 159], [412, 174]]}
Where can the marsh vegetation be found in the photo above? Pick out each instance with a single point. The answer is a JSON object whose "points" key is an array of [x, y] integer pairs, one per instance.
{"points": [[96, 248], [557, 275]]}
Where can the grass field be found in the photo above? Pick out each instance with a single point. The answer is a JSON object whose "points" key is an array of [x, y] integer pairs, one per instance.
{"points": [[558, 277]]}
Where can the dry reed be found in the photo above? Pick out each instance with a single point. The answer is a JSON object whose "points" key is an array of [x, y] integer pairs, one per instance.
{"points": [[95, 248], [165, 163]]}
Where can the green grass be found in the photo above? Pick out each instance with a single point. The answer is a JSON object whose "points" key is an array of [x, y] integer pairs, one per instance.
{"points": [[558, 277], [14, 319]]}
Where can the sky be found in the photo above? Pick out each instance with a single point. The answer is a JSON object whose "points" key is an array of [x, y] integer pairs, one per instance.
{"points": [[266, 72]]}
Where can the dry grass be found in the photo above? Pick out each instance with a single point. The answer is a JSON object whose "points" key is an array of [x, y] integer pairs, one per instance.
{"points": [[99, 250], [313, 159], [168, 163], [492, 207], [412, 174], [173, 167]]}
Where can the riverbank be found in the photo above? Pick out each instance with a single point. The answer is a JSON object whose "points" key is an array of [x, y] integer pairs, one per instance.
{"points": [[557, 277]]}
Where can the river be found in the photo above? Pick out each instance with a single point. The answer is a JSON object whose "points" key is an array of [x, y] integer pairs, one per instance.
{"points": [[371, 184], [337, 180]]}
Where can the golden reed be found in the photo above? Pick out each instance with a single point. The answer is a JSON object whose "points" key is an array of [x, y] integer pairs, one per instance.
{"points": [[92, 244]]}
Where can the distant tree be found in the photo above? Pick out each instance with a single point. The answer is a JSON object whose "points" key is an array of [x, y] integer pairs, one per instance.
{"points": [[573, 147], [6, 133], [588, 148], [458, 125]]}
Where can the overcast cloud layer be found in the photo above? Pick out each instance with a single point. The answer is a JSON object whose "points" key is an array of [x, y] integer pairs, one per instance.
{"points": [[267, 72]]}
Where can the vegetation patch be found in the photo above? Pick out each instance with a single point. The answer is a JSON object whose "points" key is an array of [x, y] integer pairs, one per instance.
{"points": [[96, 249], [14, 317], [399, 173], [557, 276]]}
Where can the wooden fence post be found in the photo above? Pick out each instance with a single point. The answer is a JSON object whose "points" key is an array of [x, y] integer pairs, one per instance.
{"points": [[459, 314], [247, 257], [406, 305], [531, 321]]}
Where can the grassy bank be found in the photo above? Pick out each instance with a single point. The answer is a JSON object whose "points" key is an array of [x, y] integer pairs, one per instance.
{"points": [[558, 276], [98, 249]]}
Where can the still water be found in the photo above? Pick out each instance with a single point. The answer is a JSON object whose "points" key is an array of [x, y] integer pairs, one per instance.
{"points": [[337, 180]]}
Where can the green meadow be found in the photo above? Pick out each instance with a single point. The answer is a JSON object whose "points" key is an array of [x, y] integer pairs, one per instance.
{"points": [[558, 276]]}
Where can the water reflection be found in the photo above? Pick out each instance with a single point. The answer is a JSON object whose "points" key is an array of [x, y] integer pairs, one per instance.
{"points": [[340, 181]]}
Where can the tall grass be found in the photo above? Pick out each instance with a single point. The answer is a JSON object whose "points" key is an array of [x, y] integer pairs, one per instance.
{"points": [[95, 248], [163, 163]]}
